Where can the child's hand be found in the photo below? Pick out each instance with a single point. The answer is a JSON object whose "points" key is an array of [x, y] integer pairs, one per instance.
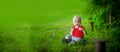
{"points": [[80, 29]]}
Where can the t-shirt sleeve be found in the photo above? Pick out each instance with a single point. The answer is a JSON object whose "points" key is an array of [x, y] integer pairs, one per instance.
{"points": [[83, 27]]}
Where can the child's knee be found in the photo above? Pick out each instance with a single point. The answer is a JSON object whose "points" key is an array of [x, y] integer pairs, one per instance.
{"points": [[68, 37]]}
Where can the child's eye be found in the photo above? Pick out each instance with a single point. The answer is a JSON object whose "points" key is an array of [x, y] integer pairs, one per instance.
{"points": [[77, 21]]}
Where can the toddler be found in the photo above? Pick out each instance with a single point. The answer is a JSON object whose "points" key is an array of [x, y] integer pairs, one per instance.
{"points": [[77, 31]]}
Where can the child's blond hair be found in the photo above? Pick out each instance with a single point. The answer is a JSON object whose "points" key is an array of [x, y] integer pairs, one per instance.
{"points": [[77, 17]]}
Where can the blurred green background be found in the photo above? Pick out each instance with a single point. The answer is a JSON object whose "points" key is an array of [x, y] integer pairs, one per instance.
{"points": [[40, 11], [39, 25]]}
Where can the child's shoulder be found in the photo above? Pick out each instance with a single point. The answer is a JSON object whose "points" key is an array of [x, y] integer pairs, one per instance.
{"points": [[81, 26], [73, 26]]}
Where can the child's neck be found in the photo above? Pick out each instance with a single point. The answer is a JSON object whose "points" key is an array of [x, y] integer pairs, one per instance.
{"points": [[76, 26]]}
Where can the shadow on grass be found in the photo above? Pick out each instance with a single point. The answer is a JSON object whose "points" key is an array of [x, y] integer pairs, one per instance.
{"points": [[1, 42]]}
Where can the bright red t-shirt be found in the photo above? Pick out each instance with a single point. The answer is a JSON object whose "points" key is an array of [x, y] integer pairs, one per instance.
{"points": [[77, 32]]}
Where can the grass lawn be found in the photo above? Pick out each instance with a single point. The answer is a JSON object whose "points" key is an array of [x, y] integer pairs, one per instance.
{"points": [[38, 38]]}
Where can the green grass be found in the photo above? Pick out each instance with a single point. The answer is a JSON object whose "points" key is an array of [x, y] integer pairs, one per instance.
{"points": [[37, 38]]}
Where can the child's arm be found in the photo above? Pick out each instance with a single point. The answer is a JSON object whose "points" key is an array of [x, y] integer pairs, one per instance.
{"points": [[84, 31], [71, 32]]}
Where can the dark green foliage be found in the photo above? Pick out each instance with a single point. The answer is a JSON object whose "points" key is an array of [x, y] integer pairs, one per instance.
{"points": [[106, 15]]}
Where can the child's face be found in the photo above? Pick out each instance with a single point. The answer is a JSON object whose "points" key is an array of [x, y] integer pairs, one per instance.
{"points": [[76, 21]]}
